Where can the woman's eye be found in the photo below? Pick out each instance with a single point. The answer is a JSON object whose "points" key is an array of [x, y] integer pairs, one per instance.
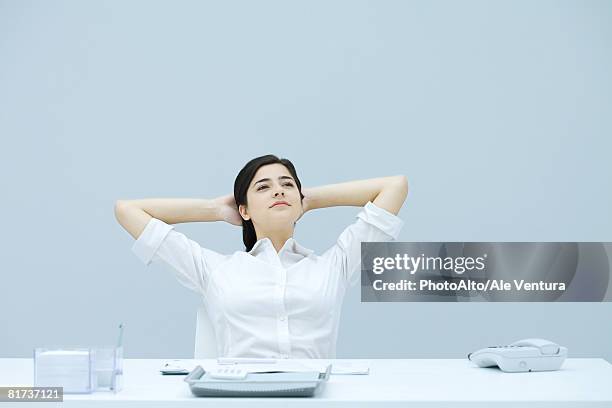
{"points": [[264, 186]]}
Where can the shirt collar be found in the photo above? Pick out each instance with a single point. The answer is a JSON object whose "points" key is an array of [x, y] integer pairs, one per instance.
{"points": [[290, 245]]}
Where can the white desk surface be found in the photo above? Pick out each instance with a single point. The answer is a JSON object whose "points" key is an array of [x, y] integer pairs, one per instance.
{"points": [[581, 382]]}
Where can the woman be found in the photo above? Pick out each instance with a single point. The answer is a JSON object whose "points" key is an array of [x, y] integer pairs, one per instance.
{"points": [[276, 299]]}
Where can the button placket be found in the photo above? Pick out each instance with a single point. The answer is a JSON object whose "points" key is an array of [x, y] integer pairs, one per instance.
{"points": [[282, 318]]}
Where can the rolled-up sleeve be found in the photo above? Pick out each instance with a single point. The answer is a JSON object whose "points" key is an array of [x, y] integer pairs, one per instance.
{"points": [[374, 224], [191, 263]]}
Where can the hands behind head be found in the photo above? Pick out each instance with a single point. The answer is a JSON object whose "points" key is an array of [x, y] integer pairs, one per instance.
{"points": [[228, 211]]}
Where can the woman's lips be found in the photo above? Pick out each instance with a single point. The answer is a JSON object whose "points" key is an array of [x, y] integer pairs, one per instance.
{"points": [[278, 204]]}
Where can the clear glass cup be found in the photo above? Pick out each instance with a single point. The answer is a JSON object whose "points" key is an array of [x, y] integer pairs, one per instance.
{"points": [[108, 368]]}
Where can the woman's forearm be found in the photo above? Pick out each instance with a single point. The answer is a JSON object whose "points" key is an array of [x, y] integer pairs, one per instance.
{"points": [[386, 192], [178, 210]]}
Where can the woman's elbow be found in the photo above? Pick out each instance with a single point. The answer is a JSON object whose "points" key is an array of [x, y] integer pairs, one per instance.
{"points": [[120, 209], [400, 182], [400, 189]]}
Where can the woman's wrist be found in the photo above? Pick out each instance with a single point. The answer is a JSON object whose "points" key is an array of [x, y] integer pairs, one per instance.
{"points": [[330, 195], [351, 193], [314, 198], [307, 203], [216, 209]]}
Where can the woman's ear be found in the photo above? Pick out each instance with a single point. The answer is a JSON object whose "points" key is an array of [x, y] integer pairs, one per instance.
{"points": [[243, 212]]}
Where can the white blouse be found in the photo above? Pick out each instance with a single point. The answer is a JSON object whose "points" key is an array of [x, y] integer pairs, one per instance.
{"points": [[268, 304]]}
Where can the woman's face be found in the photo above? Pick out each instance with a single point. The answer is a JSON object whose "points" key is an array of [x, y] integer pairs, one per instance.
{"points": [[272, 183]]}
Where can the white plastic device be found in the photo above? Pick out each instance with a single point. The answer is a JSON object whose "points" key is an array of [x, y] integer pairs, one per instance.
{"points": [[173, 368], [522, 356], [228, 373]]}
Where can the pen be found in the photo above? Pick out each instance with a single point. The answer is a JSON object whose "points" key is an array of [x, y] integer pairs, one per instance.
{"points": [[245, 360], [120, 335]]}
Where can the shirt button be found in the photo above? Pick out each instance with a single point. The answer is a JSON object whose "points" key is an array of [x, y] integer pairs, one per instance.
{"points": [[282, 318]]}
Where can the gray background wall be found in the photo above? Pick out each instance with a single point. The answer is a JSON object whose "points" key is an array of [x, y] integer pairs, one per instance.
{"points": [[497, 112]]}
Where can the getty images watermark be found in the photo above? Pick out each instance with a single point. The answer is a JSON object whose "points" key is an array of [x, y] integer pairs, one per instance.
{"points": [[485, 271]]}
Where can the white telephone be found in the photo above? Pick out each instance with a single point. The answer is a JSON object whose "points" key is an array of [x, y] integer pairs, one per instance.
{"points": [[522, 356]]}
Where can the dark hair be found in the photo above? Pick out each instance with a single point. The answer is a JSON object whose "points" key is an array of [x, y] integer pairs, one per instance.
{"points": [[241, 186]]}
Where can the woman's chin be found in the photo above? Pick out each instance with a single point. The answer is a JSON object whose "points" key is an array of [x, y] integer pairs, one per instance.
{"points": [[281, 220]]}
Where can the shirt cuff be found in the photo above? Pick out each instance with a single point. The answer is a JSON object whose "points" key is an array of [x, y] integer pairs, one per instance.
{"points": [[150, 239], [387, 222]]}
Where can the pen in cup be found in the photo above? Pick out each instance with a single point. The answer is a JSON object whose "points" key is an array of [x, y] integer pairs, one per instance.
{"points": [[120, 339]]}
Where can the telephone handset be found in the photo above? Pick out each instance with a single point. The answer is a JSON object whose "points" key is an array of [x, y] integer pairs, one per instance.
{"points": [[546, 347], [522, 356]]}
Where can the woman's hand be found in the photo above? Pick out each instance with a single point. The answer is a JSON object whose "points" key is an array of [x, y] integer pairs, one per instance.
{"points": [[228, 211], [306, 204], [306, 201]]}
